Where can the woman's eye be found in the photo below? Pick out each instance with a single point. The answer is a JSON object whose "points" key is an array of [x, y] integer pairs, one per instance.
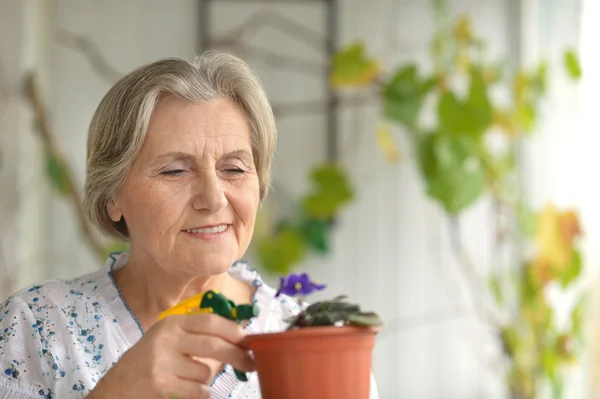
{"points": [[173, 172], [235, 171]]}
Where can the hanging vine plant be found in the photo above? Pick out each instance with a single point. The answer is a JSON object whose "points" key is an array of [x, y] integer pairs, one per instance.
{"points": [[459, 167], [289, 240]]}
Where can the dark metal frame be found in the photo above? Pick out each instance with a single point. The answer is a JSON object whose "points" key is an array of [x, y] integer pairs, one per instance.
{"points": [[204, 22]]}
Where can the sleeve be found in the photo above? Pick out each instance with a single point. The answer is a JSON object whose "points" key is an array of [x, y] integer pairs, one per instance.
{"points": [[24, 373]]}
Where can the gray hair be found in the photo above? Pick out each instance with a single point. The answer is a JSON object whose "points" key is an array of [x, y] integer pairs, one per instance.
{"points": [[118, 128]]}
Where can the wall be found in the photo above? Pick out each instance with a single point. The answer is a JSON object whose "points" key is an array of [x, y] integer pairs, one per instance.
{"points": [[23, 188], [391, 251], [140, 32]]}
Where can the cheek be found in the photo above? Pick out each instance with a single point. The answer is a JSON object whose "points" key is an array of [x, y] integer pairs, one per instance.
{"points": [[152, 208], [245, 200]]}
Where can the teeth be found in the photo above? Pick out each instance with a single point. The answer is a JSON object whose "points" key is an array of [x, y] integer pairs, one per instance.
{"points": [[216, 229]]}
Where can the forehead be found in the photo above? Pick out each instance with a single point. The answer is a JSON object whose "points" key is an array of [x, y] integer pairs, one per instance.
{"points": [[175, 120]]}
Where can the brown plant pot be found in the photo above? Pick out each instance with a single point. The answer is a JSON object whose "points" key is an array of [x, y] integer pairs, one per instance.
{"points": [[314, 362]]}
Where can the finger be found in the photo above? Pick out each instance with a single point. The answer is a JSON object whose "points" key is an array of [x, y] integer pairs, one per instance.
{"points": [[189, 369], [213, 347], [213, 324], [185, 389]]}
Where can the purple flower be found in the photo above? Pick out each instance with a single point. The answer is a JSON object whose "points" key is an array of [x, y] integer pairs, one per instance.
{"points": [[297, 284]]}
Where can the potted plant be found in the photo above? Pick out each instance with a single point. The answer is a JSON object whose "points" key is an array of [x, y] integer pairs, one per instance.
{"points": [[326, 341]]}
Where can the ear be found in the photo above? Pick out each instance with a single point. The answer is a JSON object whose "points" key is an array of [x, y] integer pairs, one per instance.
{"points": [[114, 212]]}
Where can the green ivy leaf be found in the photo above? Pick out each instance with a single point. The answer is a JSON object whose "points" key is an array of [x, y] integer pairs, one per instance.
{"points": [[320, 206], [572, 64], [471, 117], [550, 362], [526, 116], [570, 272], [403, 96], [510, 340], [452, 173], [479, 102], [316, 234], [57, 172], [279, 253], [351, 67], [449, 112], [528, 289], [331, 191]]}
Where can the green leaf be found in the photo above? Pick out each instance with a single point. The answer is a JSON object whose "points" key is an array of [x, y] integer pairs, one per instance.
{"points": [[572, 64], [528, 289], [570, 272], [351, 67], [320, 206], [324, 319], [403, 96], [450, 113], [331, 191], [340, 306], [366, 319], [526, 116], [315, 233], [479, 102], [471, 117], [279, 253], [510, 340], [550, 362], [451, 170], [57, 172]]}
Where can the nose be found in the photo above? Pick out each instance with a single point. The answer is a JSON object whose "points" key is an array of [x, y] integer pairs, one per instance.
{"points": [[209, 194]]}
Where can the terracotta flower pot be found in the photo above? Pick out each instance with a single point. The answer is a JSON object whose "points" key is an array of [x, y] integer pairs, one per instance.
{"points": [[314, 362]]}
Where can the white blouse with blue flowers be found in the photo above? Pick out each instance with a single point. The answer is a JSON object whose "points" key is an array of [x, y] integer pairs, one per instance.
{"points": [[58, 338]]}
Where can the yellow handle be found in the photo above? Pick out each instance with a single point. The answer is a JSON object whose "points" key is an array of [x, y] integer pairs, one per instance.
{"points": [[188, 306], [197, 311]]}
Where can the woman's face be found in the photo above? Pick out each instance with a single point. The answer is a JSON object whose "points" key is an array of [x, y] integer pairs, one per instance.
{"points": [[191, 196]]}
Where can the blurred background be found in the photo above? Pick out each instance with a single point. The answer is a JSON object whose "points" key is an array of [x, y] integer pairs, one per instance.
{"points": [[437, 162]]}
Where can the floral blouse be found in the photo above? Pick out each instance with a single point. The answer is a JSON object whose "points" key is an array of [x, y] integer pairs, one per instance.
{"points": [[58, 338]]}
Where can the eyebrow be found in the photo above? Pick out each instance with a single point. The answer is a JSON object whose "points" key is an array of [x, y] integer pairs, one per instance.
{"points": [[186, 156]]}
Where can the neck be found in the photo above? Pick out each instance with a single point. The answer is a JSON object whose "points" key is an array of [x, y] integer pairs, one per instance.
{"points": [[148, 289]]}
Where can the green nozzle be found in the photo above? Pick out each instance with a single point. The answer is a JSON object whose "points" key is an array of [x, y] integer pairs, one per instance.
{"points": [[246, 312]]}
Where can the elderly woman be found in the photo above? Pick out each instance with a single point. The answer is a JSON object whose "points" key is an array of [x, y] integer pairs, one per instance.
{"points": [[179, 159]]}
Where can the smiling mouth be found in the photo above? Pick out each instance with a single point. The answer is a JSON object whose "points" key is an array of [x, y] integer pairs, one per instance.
{"points": [[208, 230]]}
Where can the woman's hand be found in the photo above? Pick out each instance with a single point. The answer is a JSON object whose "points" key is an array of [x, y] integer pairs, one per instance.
{"points": [[178, 357]]}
